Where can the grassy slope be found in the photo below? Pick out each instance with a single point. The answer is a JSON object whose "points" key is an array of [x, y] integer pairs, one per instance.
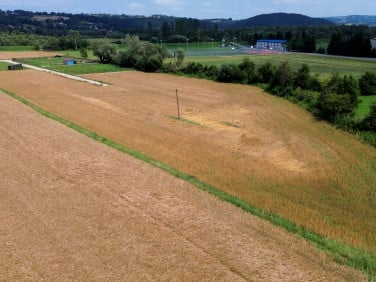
{"points": [[3, 66], [364, 106], [341, 252]]}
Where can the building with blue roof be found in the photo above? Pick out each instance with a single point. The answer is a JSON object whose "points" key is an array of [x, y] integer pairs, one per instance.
{"points": [[272, 44]]}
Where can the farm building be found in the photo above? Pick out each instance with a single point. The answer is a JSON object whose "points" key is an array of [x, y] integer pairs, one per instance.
{"points": [[69, 62], [271, 44]]}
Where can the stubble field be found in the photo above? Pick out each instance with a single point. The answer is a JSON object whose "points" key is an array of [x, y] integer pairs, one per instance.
{"points": [[260, 148], [75, 209]]}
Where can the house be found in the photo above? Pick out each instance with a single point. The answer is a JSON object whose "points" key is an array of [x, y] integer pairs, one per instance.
{"points": [[271, 44]]}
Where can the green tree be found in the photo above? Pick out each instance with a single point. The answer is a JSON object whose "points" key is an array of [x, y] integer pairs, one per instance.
{"points": [[74, 37], [230, 73], [249, 69], [105, 51], [367, 84], [142, 56], [283, 76], [179, 53], [303, 78], [265, 72], [339, 98]]}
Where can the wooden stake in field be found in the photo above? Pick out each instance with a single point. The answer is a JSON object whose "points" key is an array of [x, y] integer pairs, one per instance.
{"points": [[177, 103]]}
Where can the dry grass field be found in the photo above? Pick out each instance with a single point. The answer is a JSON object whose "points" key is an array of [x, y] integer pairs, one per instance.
{"points": [[75, 209], [260, 148]]}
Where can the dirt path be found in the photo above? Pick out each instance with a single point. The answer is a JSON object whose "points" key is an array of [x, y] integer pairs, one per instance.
{"points": [[74, 209]]}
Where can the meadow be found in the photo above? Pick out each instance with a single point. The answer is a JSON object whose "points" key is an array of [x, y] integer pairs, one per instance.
{"points": [[3, 66], [364, 106], [323, 66]]}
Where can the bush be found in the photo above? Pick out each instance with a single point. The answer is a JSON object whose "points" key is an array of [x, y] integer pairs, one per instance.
{"points": [[230, 73], [265, 73], [211, 72], [249, 69], [339, 98], [105, 51], [193, 68], [367, 84], [180, 56], [282, 77], [145, 57]]}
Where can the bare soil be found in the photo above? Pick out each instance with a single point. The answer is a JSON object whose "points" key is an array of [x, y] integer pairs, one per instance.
{"points": [[74, 209], [260, 148], [8, 55]]}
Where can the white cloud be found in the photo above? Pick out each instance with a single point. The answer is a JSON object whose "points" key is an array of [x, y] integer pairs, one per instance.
{"points": [[136, 7], [166, 2]]}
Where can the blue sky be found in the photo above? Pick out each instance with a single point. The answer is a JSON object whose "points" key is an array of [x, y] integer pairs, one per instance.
{"points": [[201, 9]]}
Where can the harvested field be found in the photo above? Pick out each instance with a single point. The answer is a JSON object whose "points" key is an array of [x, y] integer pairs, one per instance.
{"points": [[74, 209], [8, 55], [258, 147]]}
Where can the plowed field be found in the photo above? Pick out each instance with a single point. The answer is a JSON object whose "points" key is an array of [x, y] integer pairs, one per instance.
{"points": [[258, 147], [74, 209]]}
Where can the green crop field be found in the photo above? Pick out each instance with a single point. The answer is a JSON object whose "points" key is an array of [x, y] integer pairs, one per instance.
{"points": [[82, 66]]}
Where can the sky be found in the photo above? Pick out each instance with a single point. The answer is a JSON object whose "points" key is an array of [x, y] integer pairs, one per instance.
{"points": [[200, 9]]}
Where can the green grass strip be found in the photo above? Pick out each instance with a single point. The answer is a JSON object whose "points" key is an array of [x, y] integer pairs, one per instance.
{"points": [[341, 252]]}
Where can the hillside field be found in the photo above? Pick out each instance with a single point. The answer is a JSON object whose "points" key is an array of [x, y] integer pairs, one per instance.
{"points": [[75, 209], [252, 145]]}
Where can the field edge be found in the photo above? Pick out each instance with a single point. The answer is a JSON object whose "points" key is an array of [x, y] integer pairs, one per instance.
{"points": [[340, 252]]}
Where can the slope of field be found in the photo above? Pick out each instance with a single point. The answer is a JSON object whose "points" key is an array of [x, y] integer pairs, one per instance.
{"points": [[74, 209], [258, 147]]}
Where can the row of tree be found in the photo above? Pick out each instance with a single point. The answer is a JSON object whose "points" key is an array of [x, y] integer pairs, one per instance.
{"points": [[147, 57]]}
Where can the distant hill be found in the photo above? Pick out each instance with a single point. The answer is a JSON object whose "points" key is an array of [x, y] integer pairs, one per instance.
{"points": [[354, 20], [281, 19], [102, 24]]}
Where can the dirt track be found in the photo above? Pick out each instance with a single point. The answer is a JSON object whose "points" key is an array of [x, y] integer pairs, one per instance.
{"points": [[74, 209]]}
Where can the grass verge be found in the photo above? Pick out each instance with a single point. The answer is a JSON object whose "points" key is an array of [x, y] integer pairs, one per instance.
{"points": [[192, 122], [341, 252]]}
